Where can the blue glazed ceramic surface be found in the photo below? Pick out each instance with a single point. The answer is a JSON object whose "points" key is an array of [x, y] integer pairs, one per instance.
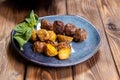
{"points": [[81, 51]]}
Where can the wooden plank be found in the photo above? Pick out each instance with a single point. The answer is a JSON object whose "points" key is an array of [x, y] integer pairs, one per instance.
{"points": [[45, 73], [110, 14], [101, 66], [10, 67]]}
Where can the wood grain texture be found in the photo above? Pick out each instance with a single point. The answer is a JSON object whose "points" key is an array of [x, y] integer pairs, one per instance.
{"points": [[104, 14], [101, 66], [110, 14], [10, 67], [46, 73]]}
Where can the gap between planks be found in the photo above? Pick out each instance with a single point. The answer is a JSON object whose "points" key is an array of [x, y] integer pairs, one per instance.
{"points": [[95, 1]]}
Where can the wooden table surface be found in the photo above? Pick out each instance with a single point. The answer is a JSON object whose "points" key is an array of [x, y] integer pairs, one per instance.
{"points": [[104, 65]]}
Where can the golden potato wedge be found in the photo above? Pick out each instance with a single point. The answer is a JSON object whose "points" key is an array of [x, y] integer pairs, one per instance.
{"points": [[53, 36], [63, 38], [64, 53], [50, 50], [43, 34], [39, 46], [34, 35], [53, 43], [63, 45]]}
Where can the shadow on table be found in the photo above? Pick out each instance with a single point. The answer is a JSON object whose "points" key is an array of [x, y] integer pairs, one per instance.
{"points": [[68, 72], [87, 65]]}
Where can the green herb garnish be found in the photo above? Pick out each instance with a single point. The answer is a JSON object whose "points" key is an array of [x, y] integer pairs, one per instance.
{"points": [[24, 29]]}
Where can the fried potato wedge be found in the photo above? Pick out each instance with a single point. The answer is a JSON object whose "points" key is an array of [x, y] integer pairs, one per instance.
{"points": [[34, 35], [63, 38], [43, 34], [50, 50], [52, 35], [63, 45], [64, 53], [39, 46]]}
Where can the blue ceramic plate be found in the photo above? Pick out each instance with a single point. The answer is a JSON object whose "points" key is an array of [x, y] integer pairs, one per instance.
{"points": [[81, 51]]}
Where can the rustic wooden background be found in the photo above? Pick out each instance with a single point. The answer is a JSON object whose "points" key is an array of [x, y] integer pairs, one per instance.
{"points": [[104, 14]]}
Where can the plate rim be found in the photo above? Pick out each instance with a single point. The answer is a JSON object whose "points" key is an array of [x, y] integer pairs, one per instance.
{"points": [[56, 65]]}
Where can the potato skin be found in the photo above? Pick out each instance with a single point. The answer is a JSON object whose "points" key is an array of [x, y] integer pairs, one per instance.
{"points": [[43, 35], [39, 46], [50, 50], [64, 50], [63, 45], [34, 36], [63, 38], [53, 43], [64, 53], [52, 36], [70, 29], [46, 24], [80, 35], [58, 27]]}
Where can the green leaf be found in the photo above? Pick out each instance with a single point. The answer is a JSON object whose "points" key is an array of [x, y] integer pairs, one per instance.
{"points": [[28, 34], [20, 40], [21, 28], [24, 29], [23, 38], [32, 19]]}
